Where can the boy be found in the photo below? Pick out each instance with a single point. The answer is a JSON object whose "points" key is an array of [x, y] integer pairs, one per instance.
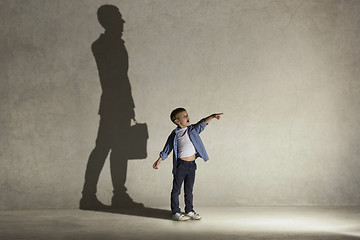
{"points": [[187, 146]]}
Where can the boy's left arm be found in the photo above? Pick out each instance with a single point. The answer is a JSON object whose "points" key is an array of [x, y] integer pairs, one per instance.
{"points": [[212, 116], [200, 126]]}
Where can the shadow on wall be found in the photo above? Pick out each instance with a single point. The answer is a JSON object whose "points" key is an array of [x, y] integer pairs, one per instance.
{"points": [[115, 133]]}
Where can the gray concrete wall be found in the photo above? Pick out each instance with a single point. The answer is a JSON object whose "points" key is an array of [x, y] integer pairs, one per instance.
{"points": [[285, 74]]}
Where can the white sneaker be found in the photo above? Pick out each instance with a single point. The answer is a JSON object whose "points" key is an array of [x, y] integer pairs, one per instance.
{"points": [[180, 217], [193, 215]]}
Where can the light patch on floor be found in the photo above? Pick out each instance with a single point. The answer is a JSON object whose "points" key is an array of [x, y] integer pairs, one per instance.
{"points": [[218, 222]]}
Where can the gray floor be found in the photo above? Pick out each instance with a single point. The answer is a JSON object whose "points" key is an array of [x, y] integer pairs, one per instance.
{"points": [[219, 222]]}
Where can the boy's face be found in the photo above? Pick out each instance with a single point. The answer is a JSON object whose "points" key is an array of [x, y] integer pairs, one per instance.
{"points": [[183, 119]]}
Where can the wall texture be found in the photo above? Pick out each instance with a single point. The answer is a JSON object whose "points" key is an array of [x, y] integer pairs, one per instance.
{"points": [[285, 74]]}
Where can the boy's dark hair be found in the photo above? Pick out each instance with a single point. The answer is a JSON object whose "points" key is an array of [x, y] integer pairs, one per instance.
{"points": [[175, 112]]}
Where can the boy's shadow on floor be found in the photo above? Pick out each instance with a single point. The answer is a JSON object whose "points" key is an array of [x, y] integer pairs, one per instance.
{"points": [[140, 212]]}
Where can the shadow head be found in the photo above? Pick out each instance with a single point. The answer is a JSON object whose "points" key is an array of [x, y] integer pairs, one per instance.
{"points": [[110, 18]]}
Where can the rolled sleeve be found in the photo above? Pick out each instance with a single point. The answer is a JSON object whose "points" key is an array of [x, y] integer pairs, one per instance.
{"points": [[200, 126], [168, 147]]}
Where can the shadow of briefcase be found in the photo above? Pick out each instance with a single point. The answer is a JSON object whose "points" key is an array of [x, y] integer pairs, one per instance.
{"points": [[137, 141]]}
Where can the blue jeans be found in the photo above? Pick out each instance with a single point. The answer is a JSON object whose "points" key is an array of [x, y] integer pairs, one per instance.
{"points": [[185, 172]]}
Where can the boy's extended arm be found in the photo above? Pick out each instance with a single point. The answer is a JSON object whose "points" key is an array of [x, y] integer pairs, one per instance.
{"points": [[200, 126], [212, 116]]}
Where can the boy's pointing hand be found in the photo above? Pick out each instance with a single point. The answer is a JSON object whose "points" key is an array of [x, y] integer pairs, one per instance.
{"points": [[212, 116], [217, 115]]}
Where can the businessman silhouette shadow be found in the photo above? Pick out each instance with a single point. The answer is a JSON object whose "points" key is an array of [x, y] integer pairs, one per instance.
{"points": [[116, 111]]}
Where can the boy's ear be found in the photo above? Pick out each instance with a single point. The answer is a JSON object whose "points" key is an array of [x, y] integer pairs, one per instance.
{"points": [[176, 121]]}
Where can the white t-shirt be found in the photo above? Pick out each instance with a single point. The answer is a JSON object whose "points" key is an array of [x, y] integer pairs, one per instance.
{"points": [[184, 144]]}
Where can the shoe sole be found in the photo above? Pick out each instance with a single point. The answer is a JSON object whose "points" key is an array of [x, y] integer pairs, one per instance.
{"points": [[194, 218], [182, 219]]}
